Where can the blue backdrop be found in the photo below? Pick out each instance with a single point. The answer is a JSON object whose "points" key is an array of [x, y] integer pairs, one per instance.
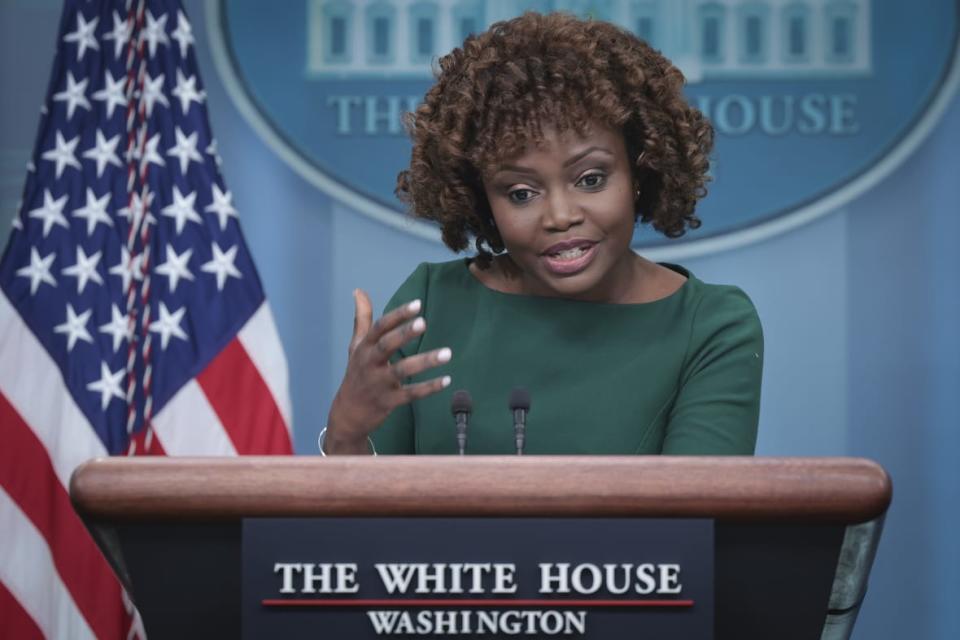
{"points": [[860, 310]]}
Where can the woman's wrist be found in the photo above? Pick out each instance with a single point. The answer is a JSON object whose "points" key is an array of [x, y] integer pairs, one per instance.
{"points": [[331, 442], [340, 437]]}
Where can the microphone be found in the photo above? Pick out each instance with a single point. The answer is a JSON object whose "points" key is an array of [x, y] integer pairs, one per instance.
{"points": [[461, 406], [520, 405]]}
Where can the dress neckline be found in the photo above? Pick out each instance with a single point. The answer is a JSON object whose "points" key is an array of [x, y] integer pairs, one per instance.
{"points": [[557, 300]]}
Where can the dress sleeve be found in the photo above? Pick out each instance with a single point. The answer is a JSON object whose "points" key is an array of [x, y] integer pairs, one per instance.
{"points": [[717, 408], [396, 434]]}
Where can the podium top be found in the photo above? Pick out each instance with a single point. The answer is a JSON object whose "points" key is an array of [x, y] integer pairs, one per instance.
{"points": [[828, 490]]}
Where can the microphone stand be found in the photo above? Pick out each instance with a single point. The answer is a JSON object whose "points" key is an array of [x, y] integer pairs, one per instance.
{"points": [[519, 405], [519, 428], [461, 406]]}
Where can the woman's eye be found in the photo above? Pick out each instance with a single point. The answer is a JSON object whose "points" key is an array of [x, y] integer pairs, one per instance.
{"points": [[593, 180], [520, 196]]}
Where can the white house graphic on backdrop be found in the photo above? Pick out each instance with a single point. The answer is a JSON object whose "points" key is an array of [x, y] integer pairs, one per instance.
{"points": [[707, 39]]}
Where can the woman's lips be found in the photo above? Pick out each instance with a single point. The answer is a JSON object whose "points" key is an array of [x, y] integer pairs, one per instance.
{"points": [[570, 261]]}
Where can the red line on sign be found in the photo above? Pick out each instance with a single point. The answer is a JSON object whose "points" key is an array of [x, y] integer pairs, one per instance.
{"points": [[474, 603]]}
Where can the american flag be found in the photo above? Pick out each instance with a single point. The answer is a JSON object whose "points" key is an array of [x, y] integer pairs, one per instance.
{"points": [[132, 319]]}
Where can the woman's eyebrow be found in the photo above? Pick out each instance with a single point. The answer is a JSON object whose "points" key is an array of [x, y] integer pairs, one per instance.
{"points": [[515, 169], [573, 160], [584, 153]]}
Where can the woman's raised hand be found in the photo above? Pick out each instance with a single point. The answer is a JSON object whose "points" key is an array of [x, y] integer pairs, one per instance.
{"points": [[373, 386]]}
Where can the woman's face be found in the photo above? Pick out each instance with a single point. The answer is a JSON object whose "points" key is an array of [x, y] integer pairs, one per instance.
{"points": [[565, 214]]}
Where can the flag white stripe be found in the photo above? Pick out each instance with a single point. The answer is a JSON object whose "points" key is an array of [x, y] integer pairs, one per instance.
{"points": [[188, 426], [261, 341], [37, 391], [27, 571]]}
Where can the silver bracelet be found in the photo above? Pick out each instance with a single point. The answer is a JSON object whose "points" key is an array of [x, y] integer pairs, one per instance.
{"points": [[323, 435]]}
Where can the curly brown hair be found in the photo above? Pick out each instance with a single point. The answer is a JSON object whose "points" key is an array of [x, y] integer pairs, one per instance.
{"points": [[494, 96]]}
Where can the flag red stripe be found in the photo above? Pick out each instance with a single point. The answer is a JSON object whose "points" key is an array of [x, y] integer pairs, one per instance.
{"points": [[141, 445], [17, 623], [243, 403], [27, 475]]}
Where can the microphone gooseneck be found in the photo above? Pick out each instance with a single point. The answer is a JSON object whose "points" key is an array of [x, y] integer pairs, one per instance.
{"points": [[461, 406], [520, 406]]}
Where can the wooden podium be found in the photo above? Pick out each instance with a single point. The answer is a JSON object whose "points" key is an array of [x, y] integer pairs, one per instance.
{"points": [[794, 537]]}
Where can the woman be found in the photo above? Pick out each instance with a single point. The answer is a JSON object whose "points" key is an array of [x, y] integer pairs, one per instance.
{"points": [[547, 139]]}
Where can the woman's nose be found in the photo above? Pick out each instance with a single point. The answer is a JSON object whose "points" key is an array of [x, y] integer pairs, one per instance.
{"points": [[563, 211]]}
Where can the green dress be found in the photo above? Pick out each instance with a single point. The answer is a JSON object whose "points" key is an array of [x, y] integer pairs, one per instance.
{"points": [[680, 375]]}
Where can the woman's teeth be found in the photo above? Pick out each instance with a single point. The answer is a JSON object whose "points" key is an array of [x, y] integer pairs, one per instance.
{"points": [[570, 254]]}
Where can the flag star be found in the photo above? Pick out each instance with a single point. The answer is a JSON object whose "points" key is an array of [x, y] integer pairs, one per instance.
{"points": [[212, 150], [186, 90], [112, 93], [75, 327], [153, 92], [108, 386], [147, 154], [38, 270], [119, 327], [175, 267], [150, 153], [222, 265], [127, 269], [74, 95], [51, 212], [182, 209], [120, 34], [168, 325], [183, 34], [222, 206], [83, 36], [138, 207], [63, 153], [84, 270], [31, 167], [17, 223], [94, 211], [155, 32], [185, 150], [103, 152]]}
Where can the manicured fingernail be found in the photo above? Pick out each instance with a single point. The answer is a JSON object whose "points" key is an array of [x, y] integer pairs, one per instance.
{"points": [[444, 355], [414, 306], [419, 324], [445, 382]]}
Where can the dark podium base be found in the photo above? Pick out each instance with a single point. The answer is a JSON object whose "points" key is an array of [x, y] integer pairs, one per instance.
{"points": [[772, 581]]}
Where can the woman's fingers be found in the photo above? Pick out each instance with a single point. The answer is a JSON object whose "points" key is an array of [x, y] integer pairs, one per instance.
{"points": [[394, 329], [365, 328], [390, 342], [421, 362], [372, 383], [362, 317], [373, 386], [419, 390], [394, 319]]}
